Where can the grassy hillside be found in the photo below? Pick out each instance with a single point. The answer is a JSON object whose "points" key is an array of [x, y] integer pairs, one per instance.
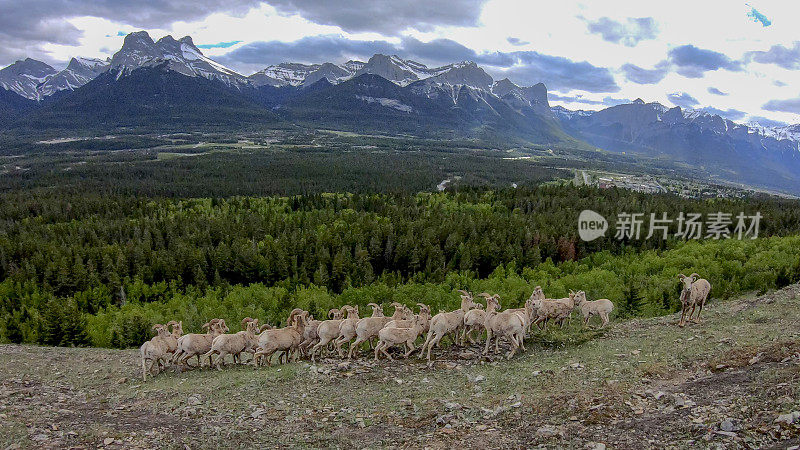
{"points": [[572, 388]]}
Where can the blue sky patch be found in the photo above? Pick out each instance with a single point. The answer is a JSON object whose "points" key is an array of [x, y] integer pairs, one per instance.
{"points": [[758, 17], [219, 44]]}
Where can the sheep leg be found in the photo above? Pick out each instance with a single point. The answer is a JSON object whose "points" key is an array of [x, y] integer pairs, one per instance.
{"points": [[338, 346], [144, 369], [682, 322], [354, 348], [497, 345], [433, 341], [697, 319], [425, 344], [410, 345], [488, 340], [513, 350], [692, 313]]}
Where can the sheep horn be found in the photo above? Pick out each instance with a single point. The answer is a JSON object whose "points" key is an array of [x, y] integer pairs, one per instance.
{"points": [[266, 326], [171, 323], [396, 305], [374, 305], [681, 276], [694, 276], [332, 311], [484, 295], [206, 325], [463, 292]]}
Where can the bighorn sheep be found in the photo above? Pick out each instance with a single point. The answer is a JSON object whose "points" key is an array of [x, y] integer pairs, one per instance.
{"points": [[602, 308], [547, 309], [408, 323], [509, 323], [391, 336], [565, 313], [175, 334], [286, 339], [368, 327], [155, 350], [328, 330], [695, 292], [473, 322], [347, 330], [447, 322], [197, 344], [231, 344]]}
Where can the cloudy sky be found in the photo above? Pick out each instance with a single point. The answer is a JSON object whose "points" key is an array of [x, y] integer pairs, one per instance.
{"points": [[737, 59]]}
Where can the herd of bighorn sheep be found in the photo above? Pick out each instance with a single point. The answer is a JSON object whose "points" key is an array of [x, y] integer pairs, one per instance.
{"points": [[303, 336]]}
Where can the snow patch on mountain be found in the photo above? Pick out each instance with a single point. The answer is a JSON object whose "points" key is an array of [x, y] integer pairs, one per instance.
{"points": [[386, 102]]}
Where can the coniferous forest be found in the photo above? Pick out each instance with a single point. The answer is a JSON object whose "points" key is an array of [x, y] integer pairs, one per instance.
{"points": [[99, 268]]}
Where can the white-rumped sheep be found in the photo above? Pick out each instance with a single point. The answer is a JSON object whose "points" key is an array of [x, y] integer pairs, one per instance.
{"points": [[155, 350], [447, 322], [196, 344], [473, 322], [347, 330], [231, 344], [368, 327], [286, 339], [601, 308], [391, 336], [510, 324], [694, 293], [409, 321], [328, 330]]}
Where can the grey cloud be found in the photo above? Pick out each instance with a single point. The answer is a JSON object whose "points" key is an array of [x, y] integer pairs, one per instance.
{"points": [[765, 122], [629, 33], [640, 75], [516, 41], [791, 105], [683, 99], [715, 91], [693, 62], [523, 67], [25, 26], [312, 49], [732, 114], [557, 72], [788, 58], [779, 83], [384, 16], [607, 101]]}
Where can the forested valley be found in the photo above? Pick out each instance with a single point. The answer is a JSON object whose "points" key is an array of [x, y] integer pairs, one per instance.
{"points": [[98, 269]]}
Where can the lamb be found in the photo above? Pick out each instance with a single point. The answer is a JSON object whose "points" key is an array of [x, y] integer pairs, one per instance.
{"points": [[368, 327], [547, 309], [231, 344], [473, 322], [408, 323], [509, 323], [197, 344], [695, 292], [565, 313], [391, 336], [447, 322], [286, 339], [328, 330], [175, 334], [155, 350], [347, 330], [602, 308]]}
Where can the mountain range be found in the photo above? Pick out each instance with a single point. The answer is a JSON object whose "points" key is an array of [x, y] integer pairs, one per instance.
{"points": [[169, 83]]}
